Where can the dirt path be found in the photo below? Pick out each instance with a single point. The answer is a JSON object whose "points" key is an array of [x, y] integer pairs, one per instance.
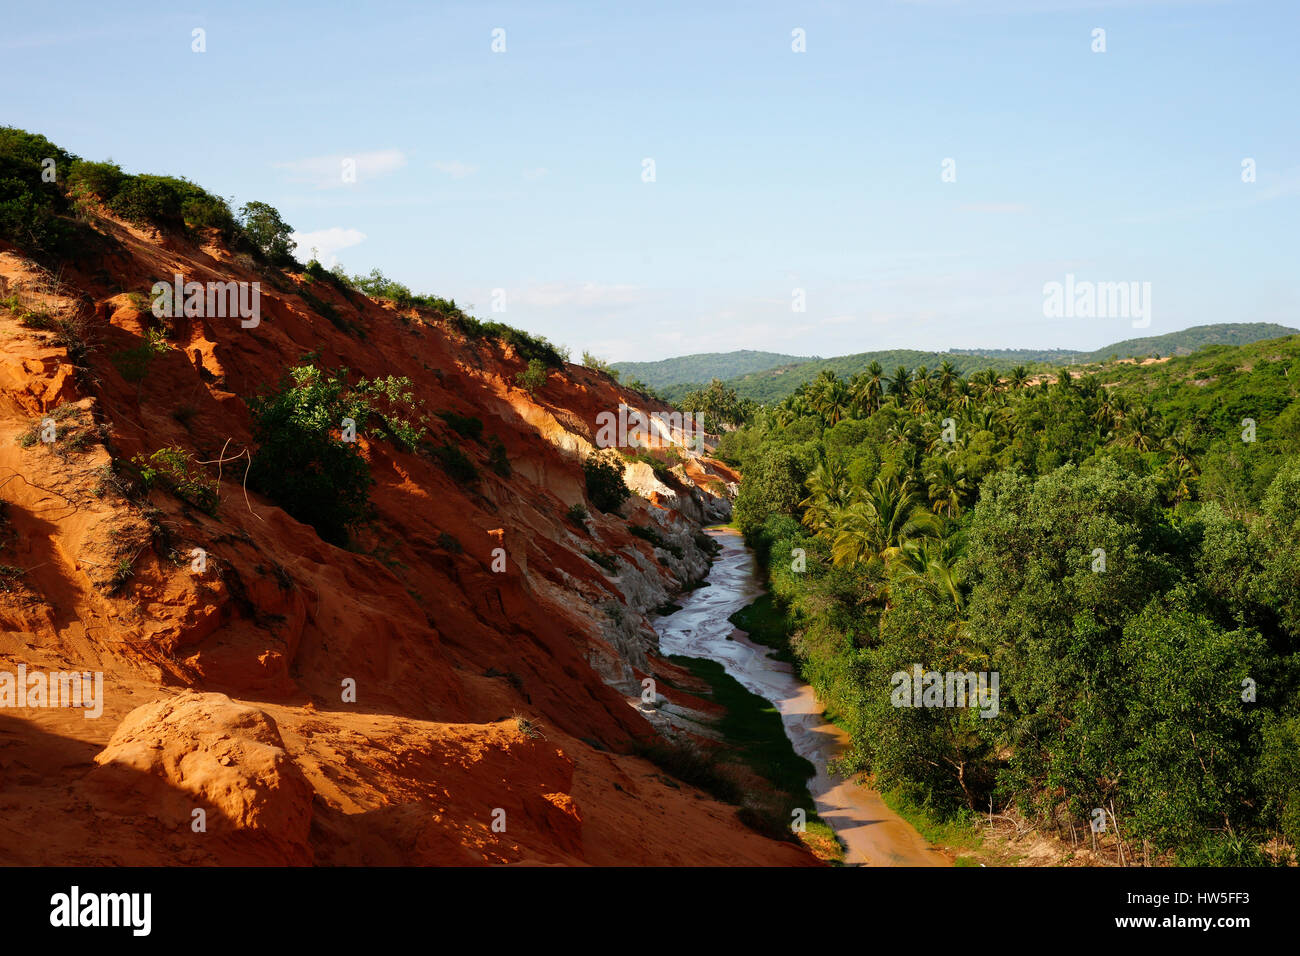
{"points": [[873, 834]]}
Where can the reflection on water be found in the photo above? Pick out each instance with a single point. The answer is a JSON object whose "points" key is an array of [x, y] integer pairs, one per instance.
{"points": [[872, 832]]}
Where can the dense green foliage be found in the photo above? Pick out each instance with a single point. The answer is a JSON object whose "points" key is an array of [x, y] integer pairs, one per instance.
{"points": [[717, 405], [605, 486], [769, 383], [43, 189], [32, 211], [533, 377], [303, 461], [270, 234], [1115, 547], [775, 384]]}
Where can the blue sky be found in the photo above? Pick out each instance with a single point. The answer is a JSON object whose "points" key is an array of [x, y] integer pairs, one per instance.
{"points": [[774, 170]]}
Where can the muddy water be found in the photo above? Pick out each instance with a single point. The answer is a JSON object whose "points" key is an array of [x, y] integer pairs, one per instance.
{"points": [[873, 834]]}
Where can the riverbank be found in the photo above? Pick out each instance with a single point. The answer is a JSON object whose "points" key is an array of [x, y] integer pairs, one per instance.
{"points": [[871, 832]]}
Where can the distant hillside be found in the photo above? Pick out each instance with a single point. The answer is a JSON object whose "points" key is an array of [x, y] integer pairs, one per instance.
{"points": [[1183, 342], [704, 367], [1189, 340], [773, 384], [768, 384]]}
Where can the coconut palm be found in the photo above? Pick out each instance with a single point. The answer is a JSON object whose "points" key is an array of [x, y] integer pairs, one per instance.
{"points": [[932, 562], [876, 527], [1141, 429], [829, 491], [922, 397], [869, 388], [947, 378], [948, 487], [900, 385], [964, 397]]}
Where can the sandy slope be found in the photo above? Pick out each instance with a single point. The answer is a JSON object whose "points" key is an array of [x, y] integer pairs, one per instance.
{"points": [[442, 650]]}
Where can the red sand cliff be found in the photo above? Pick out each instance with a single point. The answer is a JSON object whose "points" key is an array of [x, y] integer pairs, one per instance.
{"points": [[223, 689]]}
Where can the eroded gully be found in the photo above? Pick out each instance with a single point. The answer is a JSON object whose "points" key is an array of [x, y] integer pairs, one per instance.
{"points": [[872, 833]]}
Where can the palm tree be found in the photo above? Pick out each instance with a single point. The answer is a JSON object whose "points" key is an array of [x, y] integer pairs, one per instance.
{"points": [[1141, 429], [921, 397], [1182, 478], [932, 562], [948, 487], [1182, 453], [983, 419], [964, 398], [870, 389], [947, 378], [829, 491], [1018, 377], [1064, 380], [876, 527], [900, 385]]}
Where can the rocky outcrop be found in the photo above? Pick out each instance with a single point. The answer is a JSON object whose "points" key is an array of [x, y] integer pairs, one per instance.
{"points": [[205, 764]]}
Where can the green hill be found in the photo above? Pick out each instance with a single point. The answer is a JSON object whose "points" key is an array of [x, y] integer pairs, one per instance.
{"points": [[704, 367], [768, 384], [1182, 342]]}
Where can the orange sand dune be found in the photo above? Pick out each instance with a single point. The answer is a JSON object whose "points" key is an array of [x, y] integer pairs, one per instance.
{"points": [[223, 689]]}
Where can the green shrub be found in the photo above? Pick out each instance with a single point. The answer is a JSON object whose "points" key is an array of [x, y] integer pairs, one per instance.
{"points": [[497, 459], [646, 533], [533, 377], [455, 463], [270, 235], [32, 210], [174, 469], [98, 180], [168, 202], [466, 426], [599, 365], [302, 463], [605, 485], [315, 272], [134, 363], [604, 560], [578, 515]]}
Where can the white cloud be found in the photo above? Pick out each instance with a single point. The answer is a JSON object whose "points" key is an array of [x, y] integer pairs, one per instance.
{"points": [[327, 243], [326, 172], [556, 294], [455, 168]]}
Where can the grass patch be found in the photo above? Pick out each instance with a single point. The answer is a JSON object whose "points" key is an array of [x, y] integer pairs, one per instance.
{"points": [[753, 729], [694, 766], [646, 533], [604, 560], [959, 832], [766, 623]]}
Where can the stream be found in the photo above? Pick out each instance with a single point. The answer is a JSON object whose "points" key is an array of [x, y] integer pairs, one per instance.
{"points": [[873, 834]]}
